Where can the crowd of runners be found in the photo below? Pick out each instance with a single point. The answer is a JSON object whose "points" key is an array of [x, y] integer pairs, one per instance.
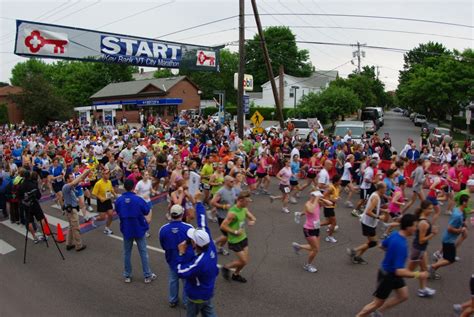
{"points": [[401, 193]]}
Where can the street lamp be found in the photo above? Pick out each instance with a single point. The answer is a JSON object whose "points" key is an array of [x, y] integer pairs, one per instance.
{"points": [[294, 94]]}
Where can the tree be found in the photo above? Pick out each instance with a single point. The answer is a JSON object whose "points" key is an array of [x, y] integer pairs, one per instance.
{"points": [[32, 66], [163, 73], [40, 102], [3, 113], [331, 104], [282, 49], [2, 84]]}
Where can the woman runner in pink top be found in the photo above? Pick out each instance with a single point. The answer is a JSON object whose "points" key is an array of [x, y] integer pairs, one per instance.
{"points": [[311, 229], [284, 176]]}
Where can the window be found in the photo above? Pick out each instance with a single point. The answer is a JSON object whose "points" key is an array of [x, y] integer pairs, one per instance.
{"points": [[172, 111], [291, 93], [130, 107]]}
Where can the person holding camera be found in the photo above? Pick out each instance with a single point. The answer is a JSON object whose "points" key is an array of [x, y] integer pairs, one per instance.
{"points": [[71, 206], [199, 273], [29, 195]]}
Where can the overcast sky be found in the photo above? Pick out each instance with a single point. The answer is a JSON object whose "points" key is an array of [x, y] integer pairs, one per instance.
{"points": [[157, 18]]}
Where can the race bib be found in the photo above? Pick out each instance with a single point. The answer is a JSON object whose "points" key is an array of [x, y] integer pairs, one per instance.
{"points": [[108, 195], [287, 189], [317, 224]]}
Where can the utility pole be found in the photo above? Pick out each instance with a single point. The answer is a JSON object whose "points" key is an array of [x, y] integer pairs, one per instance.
{"points": [[358, 54], [281, 92], [268, 64], [240, 86], [378, 71]]}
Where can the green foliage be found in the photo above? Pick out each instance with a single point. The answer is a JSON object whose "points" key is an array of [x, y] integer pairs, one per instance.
{"points": [[438, 85], [41, 102], [31, 67], [163, 73], [3, 113], [282, 48], [331, 104]]}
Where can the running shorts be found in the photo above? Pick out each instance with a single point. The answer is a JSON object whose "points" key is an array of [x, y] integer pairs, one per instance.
{"points": [[239, 246], [386, 282]]}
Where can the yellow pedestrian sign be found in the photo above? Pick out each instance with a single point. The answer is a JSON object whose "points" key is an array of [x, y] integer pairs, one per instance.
{"points": [[257, 130], [256, 118]]}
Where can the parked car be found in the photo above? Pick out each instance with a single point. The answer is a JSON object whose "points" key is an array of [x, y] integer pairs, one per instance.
{"points": [[438, 133], [303, 126], [412, 116], [406, 113], [399, 110], [370, 114], [419, 119], [369, 127], [356, 127], [380, 120], [429, 126], [227, 116]]}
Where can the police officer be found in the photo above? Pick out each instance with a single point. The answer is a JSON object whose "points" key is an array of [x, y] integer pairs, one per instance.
{"points": [[200, 273], [134, 213], [171, 235]]}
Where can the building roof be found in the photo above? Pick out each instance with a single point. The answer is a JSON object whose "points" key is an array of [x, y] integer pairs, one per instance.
{"points": [[318, 79], [130, 88], [7, 90]]}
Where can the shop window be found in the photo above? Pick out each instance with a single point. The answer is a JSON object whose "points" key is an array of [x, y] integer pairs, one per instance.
{"points": [[130, 107]]}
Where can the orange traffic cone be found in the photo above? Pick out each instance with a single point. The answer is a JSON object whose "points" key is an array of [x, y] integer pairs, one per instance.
{"points": [[46, 230], [60, 234]]}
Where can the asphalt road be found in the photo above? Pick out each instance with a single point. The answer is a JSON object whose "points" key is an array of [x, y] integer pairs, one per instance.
{"points": [[90, 283]]}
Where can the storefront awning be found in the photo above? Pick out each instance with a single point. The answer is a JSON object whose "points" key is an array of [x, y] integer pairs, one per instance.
{"points": [[144, 102]]}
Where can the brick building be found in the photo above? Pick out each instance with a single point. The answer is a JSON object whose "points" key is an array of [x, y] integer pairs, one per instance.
{"points": [[14, 112], [165, 97]]}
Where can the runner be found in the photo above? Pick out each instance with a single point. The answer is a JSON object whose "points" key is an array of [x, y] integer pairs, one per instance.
{"points": [[104, 192], [284, 176], [311, 230], [234, 225], [366, 187], [332, 196], [369, 221], [392, 271], [418, 176], [346, 179]]}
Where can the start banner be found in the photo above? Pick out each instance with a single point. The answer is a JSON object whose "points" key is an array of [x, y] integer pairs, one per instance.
{"points": [[61, 42]]}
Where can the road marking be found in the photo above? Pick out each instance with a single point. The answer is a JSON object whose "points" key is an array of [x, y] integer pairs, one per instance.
{"points": [[53, 221], [5, 247], [18, 228], [148, 246]]}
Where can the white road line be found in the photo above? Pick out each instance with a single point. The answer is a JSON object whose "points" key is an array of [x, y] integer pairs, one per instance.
{"points": [[148, 246], [5, 247], [53, 221], [18, 228], [90, 213]]}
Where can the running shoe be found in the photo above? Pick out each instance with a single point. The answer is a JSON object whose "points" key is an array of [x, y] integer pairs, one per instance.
{"points": [[433, 274], [266, 193], [150, 278], [310, 268], [89, 208], [239, 278], [426, 292], [437, 255], [297, 216], [128, 279], [355, 213], [359, 260], [225, 273], [448, 212], [223, 251], [107, 231], [349, 204], [285, 210], [457, 259], [296, 247], [351, 252], [457, 308], [335, 228], [331, 239], [147, 234], [293, 200]]}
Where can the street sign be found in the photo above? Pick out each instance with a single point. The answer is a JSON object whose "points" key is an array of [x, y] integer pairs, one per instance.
{"points": [[257, 130], [248, 82], [246, 104], [257, 118]]}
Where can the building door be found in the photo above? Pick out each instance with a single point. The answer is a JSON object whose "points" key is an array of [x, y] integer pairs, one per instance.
{"points": [[108, 117]]}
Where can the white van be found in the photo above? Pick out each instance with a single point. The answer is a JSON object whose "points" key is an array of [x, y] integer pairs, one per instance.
{"points": [[305, 126], [380, 120], [357, 128]]}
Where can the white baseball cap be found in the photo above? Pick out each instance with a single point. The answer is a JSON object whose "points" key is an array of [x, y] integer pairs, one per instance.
{"points": [[176, 210], [199, 236], [316, 193], [470, 182]]}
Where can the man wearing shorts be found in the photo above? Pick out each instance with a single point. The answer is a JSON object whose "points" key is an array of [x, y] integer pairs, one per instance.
{"points": [[56, 175], [369, 221], [418, 176], [366, 187], [455, 228], [392, 271], [104, 191], [223, 201], [234, 225]]}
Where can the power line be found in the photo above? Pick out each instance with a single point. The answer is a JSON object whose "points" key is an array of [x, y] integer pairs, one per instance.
{"points": [[77, 11], [199, 26], [62, 10]]}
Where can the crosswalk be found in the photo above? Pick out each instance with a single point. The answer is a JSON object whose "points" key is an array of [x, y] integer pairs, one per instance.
{"points": [[53, 214]]}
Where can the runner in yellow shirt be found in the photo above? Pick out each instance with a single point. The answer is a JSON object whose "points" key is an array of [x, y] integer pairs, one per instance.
{"points": [[104, 191]]}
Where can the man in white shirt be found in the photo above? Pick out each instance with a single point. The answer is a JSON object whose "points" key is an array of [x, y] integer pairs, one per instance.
{"points": [[323, 178], [366, 187], [403, 152], [296, 150], [347, 136]]}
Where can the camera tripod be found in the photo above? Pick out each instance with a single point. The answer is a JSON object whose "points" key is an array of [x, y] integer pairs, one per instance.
{"points": [[27, 223]]}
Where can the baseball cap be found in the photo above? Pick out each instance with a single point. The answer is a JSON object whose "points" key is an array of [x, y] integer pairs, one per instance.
{"points": [[375, 156], [176, 210], [199, 236], [470, 182], [316, 193]]}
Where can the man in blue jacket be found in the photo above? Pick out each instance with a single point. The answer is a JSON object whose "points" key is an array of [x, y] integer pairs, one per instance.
{"points": [[171, 235], [133, 211], [200, 273]]}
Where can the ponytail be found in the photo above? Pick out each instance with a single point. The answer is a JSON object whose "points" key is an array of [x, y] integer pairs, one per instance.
{"points": [[423, 206]]}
